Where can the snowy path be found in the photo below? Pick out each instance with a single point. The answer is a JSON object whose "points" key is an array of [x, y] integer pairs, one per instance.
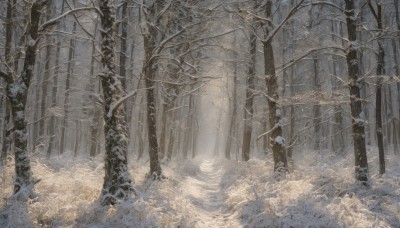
{"points": [[206, 197]]}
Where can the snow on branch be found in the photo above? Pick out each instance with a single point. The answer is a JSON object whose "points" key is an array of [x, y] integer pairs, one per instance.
{"points": [[115, 105], [267, 132], [331, 4], [311, 51], [293, 11], [263, 19], [54, 20], [166, 40]]}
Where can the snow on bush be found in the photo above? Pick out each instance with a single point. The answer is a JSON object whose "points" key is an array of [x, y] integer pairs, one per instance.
{"points": [[210, 193]]}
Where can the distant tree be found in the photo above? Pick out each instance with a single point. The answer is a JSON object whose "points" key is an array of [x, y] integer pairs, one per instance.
{"points": [[380, 71], [250, 78]]}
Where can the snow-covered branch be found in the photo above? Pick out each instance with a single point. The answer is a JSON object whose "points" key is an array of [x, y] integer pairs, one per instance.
{"points": [[309, 52], [115, 105], [54, 20], [294, 10]]}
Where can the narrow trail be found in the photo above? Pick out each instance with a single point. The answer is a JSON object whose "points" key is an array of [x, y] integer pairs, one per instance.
{"points": [[207, 197]]}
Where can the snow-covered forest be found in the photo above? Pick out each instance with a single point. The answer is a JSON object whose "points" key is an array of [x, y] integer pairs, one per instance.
{"points": [[199, 113]]}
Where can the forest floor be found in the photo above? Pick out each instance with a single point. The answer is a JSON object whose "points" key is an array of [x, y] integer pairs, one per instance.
{"points": [[204, 192]]}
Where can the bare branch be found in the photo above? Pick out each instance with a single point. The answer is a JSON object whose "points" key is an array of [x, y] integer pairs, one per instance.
{"points": [[373, 11], [263, 19], [7, 77], [293, 11], [311, 51], [54, 20], [115, 105], [79, 23]]}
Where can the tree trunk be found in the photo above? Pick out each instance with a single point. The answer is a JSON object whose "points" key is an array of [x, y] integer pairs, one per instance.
{"points": [[17, 91], [396, 133], [117, 180], [166, 107], [317, 108], [6, 137], [248, 110], [380, 71], [52, 130], [275, 112], [149, 70], [70, 71], [338, 140], [155, 168], [124, 35], [292, 116], [95, 122], [358, 121], [46, 76], [232, 122], [188, 129]]}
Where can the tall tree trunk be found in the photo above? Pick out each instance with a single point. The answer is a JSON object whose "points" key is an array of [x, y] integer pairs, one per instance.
{"points": [[52, 130], [46, 76], [275, 111], [117, 180], [248, 110], [4, 101], [396, 134], [124, 36], [149, 70], [232, 121], [395, 56], [155, 168], [358, 118], [70, 71], [338, 140], [317, 108], [95, 122], [17, 91], [378, 110], [380, 71]]}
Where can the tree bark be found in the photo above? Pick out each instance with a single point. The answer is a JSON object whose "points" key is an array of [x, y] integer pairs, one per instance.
{"points": [[358, 121], [17, 91], [4, 101], [275, 111], [149, 70], [117, 180]]}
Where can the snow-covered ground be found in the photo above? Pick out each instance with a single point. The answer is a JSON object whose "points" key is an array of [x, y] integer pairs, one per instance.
{"points": [[204, 192]]}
